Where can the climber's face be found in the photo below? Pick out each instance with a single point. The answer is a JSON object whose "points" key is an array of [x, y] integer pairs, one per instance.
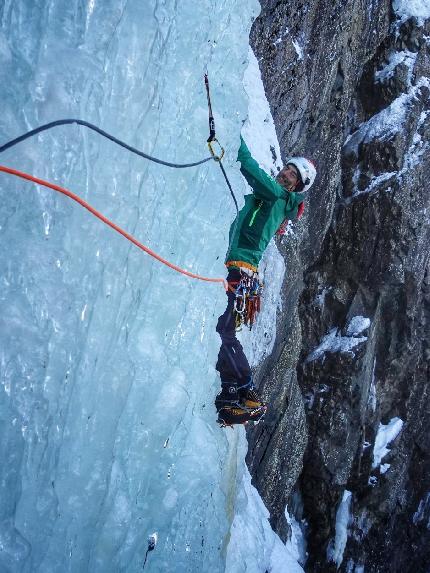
{"points": [[288, 177]]}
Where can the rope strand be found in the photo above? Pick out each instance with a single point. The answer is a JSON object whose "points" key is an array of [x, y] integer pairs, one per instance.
{"points": [[52, 124], [105, 220]]}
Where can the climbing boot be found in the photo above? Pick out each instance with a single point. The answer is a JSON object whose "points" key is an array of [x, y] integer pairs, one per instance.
{"points": [[231, 416], [228, 397]]}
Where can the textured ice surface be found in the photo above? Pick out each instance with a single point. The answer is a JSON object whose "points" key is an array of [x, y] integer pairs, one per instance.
{"points": [[335, 553], [107, 358]]}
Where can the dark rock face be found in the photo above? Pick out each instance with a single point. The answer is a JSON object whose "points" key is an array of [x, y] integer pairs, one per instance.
{"points": [[349, 85]]}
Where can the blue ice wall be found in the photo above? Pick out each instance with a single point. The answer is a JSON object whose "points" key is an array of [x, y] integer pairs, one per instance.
{"points": [[107, 357]]}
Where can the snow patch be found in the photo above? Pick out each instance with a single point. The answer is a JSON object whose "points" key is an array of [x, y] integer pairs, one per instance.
{"points": [[386, 434], [406, 9], [418, 147], [343, 517], [395, 59], [422, 511], [387, 122], [334, 342], [357, 325]]}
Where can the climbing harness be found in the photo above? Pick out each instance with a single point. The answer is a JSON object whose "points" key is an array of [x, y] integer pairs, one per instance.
{"points": [[109, 223], [247, 303]]}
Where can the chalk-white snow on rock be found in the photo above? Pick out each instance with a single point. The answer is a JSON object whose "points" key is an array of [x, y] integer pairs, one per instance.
{"points": [[357, 325], [405, 9], [335, 342], [343, 515], [386, 434], [395, 59], [423, 512], [387, 122]]}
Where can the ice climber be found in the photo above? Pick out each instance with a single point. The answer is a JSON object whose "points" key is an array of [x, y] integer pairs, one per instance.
{"points": [[268, 209]]}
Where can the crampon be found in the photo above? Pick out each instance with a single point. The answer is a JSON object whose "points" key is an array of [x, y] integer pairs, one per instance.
{"points": [[228, 417]]}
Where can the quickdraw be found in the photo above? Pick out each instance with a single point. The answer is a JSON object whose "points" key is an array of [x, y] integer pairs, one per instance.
{"points": [[247, 303], [212, 137]]}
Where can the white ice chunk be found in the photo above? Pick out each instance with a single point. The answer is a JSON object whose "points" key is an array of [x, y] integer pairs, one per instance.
{"points": [[386, 434], [357, 325], [387, 122], [333, 342], [298, 48], [405, 9], [297, 542], [384, 468], [342, 521], [395, 59]]}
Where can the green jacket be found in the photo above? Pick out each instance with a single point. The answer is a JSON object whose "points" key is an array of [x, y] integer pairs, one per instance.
{"points": [[261, 216]]}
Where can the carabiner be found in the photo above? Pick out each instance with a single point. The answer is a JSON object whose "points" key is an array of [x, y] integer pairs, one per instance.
{"points": [[214, 155]]}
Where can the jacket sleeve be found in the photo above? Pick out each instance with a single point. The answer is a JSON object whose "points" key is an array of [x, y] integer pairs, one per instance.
{"points": [[264, 186]]}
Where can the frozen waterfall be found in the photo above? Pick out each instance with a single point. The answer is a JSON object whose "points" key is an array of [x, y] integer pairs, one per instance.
{"points": [[107, 421]]}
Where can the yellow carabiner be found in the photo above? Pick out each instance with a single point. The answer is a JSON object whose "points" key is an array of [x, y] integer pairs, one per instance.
{"points": [[216, 157]]}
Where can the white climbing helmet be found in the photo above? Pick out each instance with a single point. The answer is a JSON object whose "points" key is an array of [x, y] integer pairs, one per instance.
{"points": [[307, 171]]}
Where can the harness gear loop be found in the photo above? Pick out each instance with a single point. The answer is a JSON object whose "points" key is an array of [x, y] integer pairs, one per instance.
{"points": [[247, 303]]}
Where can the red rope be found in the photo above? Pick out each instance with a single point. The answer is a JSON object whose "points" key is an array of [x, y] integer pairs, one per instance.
{"points": [[109, 223]]}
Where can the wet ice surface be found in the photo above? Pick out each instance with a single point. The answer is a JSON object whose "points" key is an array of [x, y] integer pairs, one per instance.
{"points": [[107, 358]]}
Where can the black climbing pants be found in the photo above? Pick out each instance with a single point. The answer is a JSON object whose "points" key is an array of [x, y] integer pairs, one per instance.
{"points": [[232, 363]]}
